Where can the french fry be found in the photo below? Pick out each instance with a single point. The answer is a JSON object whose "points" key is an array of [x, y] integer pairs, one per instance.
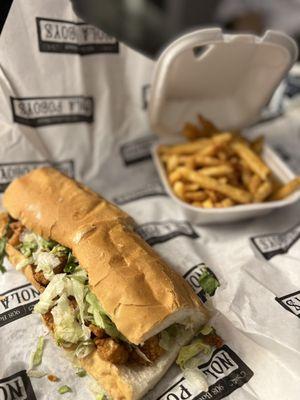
{"points": [[208, 204], [191, 131], [254, 183], [195, 196], [236, 194], [263, 191], [222, 138], [234, 180], [178, 188], [220, 170], [191, 187], [206, 161], [175, 175], [224, 203], [233, 160], [275, 183], [212, 195], [162, 150], [190, 163], [222, 156], [185, 148], [218, 196], [223, 179], [207, 127], [182, 159], [210, 149], [287, 189], [164, 158], [206, 124], [197, 204], [246, 177], [253, 161], [172, 163], [258, 144], [227, 203]]}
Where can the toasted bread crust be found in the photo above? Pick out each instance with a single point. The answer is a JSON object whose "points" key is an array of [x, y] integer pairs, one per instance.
{"points": [[133, 284]]}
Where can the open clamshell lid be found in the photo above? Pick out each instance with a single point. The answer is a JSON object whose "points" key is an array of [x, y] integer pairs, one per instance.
{"points": [[228, 79]]}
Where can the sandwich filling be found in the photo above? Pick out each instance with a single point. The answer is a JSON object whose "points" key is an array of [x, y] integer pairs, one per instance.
{"points": [[71, 310]]}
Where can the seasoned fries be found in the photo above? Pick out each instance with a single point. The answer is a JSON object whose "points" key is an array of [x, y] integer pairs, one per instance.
{"points": [[252, 160], [286, 190], [220, 169], [205, 182]]}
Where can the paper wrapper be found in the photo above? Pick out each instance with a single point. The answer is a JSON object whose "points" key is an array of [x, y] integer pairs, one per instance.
{"points": [[74, 97]]}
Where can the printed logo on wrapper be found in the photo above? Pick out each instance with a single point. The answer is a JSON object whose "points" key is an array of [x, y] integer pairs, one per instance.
{"points": [[291, 302], [192, 276], [13, 170], [16, 303], [160, 232], [16, 387], [273, 244], [59, 36], [225, 373], [41, 111], [150, 190], [137, 150]]}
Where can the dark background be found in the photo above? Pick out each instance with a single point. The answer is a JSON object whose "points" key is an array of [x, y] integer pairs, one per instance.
{"points": [[148, 25], [4, 8]]}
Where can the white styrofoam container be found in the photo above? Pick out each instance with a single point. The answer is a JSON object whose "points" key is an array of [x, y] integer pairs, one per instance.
{"points": [[228, 79]]}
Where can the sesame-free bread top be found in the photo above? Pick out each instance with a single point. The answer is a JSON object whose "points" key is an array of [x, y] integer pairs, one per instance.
{"points": [[138, 290]]}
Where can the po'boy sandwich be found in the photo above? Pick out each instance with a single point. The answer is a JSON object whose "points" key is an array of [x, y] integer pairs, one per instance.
{"points": [[105, 294]]}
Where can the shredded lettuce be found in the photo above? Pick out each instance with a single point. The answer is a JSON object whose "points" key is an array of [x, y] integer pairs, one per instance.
{"points": [[84, 349], [76, 289], [69, 324], [207, 330], [38, 354], [66, 326], [3, 242], [208, 281], [36, 359], [28, 248], [81, 372], [45, 262], [59, 250], [28, 243], [64, 389], [48, 297], [196, 378], [30, 239], [100, 317], [101, 396], [71, 264], [188, 352], [23, 263], [44, 244], [35, 373], [33, 245], [80, 275]]}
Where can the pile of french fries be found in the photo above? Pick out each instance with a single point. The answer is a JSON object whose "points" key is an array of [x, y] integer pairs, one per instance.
{"points": [[220, 169]]}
